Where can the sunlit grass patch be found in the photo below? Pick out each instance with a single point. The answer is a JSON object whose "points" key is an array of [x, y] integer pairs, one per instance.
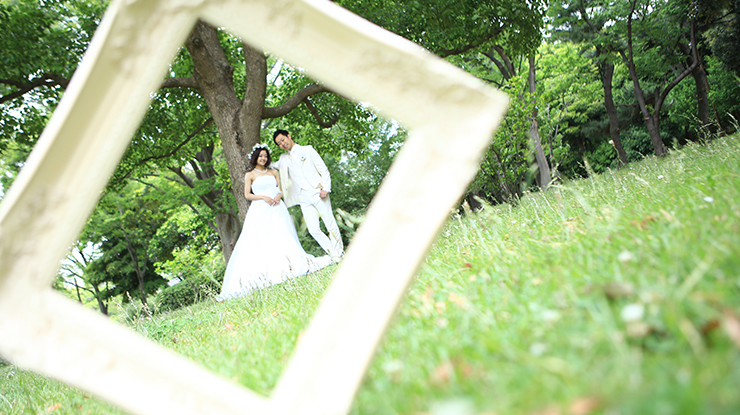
{"points": [[609, 293]]}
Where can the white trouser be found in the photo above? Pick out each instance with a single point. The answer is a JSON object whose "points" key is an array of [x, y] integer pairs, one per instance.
{"points": [[311, 212]]}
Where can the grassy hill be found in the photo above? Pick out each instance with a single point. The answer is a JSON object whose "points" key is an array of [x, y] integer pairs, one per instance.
{"points": [[619, 294]]}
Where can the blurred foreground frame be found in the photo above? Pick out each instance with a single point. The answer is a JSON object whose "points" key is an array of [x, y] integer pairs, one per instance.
{"points": [[450, 115]]}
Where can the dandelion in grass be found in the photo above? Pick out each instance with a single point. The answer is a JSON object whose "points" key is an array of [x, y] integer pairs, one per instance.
{"points": [[454, 406], [537, 349], [632, 312], [550, 315], [625, 257], [394, 369]]}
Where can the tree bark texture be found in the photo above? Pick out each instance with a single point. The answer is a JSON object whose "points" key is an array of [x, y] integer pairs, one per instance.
{"points": [[611, 110], [700, 80], [140, 271], [227, 221], [651, 122], [214, 79], [101, 304], [534, 132], [254, 95]]}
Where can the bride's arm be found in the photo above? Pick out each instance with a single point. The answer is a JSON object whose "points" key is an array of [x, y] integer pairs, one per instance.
{"points": [[277, 178]]}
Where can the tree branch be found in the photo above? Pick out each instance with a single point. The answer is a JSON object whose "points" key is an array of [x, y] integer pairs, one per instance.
{"points": [[317, 116], [184, 177], [47, 79], [185, 201], [492, 57], [175, 179], [685, 73], [78, 286], [294, 101], [171, 153], [189, 182], [179, 83], [443, 53], [585, 18]]}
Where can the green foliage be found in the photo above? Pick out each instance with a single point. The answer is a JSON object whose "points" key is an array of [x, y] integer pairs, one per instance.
{"points": [[724, 37], [124, 226], [453, 25], [602, 157], [65, 27], [724, 88], [658, 31], [356, 176], [183, 230], [636, 142], [570, 103], [187, 292], [42, 41], [507, 161], [352, 132], [169, 136], [198, 265]]}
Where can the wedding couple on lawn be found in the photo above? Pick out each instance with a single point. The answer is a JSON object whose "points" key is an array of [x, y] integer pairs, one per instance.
{"points": [[268, 251]]}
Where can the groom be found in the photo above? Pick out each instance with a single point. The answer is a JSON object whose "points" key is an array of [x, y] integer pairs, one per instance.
{"points": [[305, 180]]}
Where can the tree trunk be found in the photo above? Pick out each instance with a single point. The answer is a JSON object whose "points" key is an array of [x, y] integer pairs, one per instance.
{"points": [[702, 95], [611, 110], [214, 79], [227, 221], [650, 121], [254, 98], [653, 120], [501, 175], [534, 131], [228, 229], [702, 90], [101, 304], [137, 269]]}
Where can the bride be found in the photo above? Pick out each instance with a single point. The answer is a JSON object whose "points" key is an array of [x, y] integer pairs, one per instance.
{"points": [[268, 251]]}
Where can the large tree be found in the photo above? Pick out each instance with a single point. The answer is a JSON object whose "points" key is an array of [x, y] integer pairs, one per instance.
{"points": [[41, 45], [646, 35], [569, 27], [217, 94]]}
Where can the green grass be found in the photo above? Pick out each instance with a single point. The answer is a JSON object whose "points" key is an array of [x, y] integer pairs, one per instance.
{"points": [[606, 296]]}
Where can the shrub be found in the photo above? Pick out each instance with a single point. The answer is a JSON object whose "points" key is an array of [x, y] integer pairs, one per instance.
{"points": [[186, 292], [603, 157], [637, 144]]}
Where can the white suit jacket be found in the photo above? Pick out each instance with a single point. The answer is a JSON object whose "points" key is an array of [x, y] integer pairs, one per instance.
{"points": [[312, 167]]}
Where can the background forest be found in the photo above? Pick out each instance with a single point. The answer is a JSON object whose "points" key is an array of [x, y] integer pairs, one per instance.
{"points": [[594, 85]]}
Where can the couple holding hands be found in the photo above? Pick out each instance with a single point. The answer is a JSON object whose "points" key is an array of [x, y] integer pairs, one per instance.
{"points": [[268, 250]]}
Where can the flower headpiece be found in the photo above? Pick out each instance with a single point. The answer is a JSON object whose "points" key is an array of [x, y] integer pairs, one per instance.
{"points": [[258, 146]]}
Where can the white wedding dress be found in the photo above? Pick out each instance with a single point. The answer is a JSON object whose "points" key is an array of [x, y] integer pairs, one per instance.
{"points": [[268, 251]]}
